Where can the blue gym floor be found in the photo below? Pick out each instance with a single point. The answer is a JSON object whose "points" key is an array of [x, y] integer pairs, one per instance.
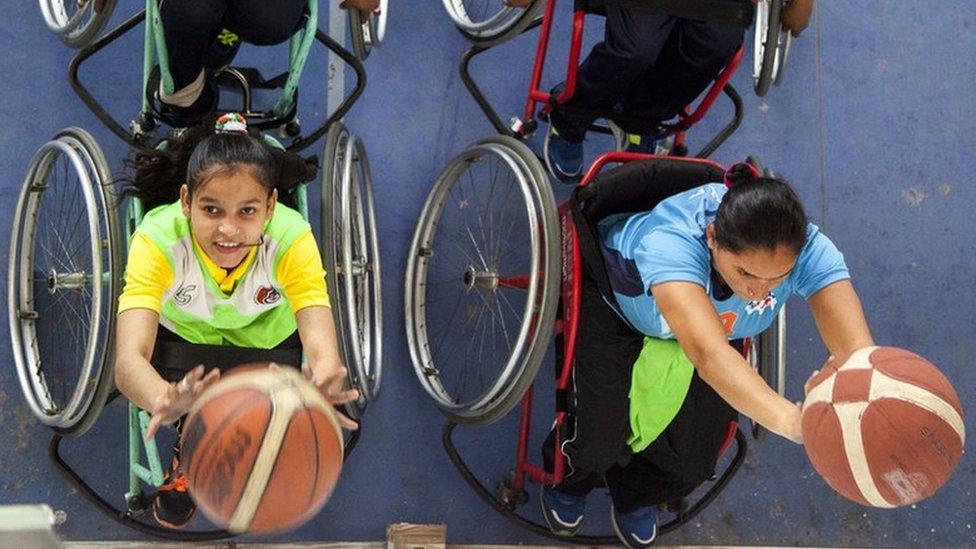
{"points": [[873, 125]]}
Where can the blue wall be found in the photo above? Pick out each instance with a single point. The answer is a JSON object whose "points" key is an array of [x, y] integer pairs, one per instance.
{"points": [[873, 125]]}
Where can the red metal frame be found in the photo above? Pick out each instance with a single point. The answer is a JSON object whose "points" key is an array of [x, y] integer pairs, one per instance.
{"points": [[537, 95], [569, 325]]}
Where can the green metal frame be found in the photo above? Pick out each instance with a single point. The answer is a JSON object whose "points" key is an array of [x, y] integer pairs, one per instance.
{"points": [[156, 53], [151, 473]]}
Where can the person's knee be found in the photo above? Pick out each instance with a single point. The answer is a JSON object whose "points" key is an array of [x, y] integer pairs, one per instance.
{"points": [[190, 14]]}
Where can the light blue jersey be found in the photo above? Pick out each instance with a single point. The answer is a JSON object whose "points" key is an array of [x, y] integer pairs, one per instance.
{"points": [[668, 244]]}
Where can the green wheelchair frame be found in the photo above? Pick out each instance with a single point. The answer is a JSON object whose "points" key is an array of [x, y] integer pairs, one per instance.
{"points": [[282, 115], [350, 257]]}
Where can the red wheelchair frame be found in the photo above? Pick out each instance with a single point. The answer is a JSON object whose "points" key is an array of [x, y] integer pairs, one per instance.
{"points": [[512, 487], [524, 127]]}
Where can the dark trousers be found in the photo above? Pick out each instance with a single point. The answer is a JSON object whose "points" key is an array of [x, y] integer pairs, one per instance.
{"points": [[649, 66], [595, 434], [191, 28]]}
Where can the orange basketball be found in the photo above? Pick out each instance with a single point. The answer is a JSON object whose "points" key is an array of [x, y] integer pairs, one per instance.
{"points": [[262, 450], [883, 426]]}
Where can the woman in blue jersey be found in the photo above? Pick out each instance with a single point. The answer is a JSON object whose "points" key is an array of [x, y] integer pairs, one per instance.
{"points": [[656, 381]]}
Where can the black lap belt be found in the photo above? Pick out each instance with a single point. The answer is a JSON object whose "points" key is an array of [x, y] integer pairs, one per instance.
{"points": [[174, 358], [711, 11]]}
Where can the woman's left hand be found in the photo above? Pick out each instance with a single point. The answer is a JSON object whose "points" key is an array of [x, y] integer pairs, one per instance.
{"points": [[330, 378]]}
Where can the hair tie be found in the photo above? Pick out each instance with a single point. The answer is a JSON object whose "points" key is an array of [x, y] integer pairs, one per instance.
{"points": [[231, 122], [738, 172]]}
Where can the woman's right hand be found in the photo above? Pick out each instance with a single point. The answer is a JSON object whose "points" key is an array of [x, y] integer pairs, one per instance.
{"points": [[179, 397], [790, 425]]}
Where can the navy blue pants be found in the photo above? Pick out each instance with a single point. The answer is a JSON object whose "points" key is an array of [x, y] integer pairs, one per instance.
{"points": [[192, 28], [648, 65]]}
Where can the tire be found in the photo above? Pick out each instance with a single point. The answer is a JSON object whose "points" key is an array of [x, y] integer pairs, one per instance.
{"points": [[75, 21], [365, 35], [350, 251], [489, 281], [489, 22], [768, 30], [64, 281]]}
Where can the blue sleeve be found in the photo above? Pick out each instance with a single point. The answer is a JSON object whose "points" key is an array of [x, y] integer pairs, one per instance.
{"points": [[670, 256], [820, 264]]}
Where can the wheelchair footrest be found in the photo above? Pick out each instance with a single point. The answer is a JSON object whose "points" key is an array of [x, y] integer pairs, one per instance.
{"points": [[231, 78]]}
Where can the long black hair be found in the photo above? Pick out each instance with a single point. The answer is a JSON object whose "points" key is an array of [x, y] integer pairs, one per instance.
{"points": [[197, 154], [760, 213]]}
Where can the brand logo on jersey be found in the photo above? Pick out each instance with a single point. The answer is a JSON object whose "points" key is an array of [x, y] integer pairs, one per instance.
{"points": [[768, 302], [266, 295], [184, 295]]}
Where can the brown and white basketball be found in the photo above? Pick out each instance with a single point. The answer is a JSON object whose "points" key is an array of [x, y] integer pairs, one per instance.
{"points": [[262, 450], [883, 426]]}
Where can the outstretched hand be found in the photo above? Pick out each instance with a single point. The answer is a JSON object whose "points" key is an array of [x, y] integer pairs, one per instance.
{"points": [[179, 397], [331, 381], [365, 7], [796, 16]]}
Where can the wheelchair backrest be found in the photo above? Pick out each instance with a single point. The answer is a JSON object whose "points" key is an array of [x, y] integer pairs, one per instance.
{"points": [[638, 186]]}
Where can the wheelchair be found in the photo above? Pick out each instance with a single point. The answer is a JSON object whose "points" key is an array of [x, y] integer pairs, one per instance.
{"points": [[488, 23], [67, 258], [494, 272], [77, 23]]}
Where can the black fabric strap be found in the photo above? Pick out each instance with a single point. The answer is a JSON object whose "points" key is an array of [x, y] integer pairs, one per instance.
{"points": [[739, 13], [173, 357]]}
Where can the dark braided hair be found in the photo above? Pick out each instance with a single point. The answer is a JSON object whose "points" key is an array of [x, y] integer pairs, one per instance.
{"points": [[760, 213], [197, 154]]}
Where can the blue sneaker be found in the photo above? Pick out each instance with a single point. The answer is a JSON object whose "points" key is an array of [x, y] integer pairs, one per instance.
{"points": [[563, 512], [637, 528], [564, 158]]}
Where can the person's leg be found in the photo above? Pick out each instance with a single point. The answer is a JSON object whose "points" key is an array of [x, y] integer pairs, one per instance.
{"points": [[265, 23], [632, 42], [681, 458], [691, 59], [596, 430]]}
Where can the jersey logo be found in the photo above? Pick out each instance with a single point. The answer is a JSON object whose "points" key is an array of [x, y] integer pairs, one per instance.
{"points": [[266, 295], [768, 302], [184, 295], [728, 319]]}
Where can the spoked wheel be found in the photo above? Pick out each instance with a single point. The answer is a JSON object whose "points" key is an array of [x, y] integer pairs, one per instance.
{"points": [[767, 355], [367, 33], [482, 280], [65, 259], [350, 250], [488, 22], [771, 46], [75, 21]]}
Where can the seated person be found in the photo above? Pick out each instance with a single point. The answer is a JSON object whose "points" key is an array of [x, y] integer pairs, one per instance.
{"points": [[196, 268], [656, 382], [648, 64], [202, 37]]}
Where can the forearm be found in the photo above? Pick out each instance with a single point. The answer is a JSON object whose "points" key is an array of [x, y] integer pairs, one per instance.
{"points": [[317, 332], [139, 381], [728, 373]]}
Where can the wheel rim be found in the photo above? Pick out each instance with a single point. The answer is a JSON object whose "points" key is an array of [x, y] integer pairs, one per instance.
{"points": [[481, 17], [767, 39], [67, 17], [359, 274], [53, 273], [500, 319]]}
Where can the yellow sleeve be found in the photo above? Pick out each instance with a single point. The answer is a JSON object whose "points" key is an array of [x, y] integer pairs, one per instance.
{"points": [[147, 276], [301, 274]]}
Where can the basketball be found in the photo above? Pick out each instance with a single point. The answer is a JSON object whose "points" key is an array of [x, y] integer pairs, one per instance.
{"points": [[262, 450], [883, 426]]}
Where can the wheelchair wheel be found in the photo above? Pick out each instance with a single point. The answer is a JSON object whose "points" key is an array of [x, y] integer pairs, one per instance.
{"points": [[771, 45], [482, 281], [75, 21], [767, 355], [365, 35], [65, 258], [488, 22], [350, 251]]}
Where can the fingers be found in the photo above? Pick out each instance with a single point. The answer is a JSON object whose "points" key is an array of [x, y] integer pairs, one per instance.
{"points": [[809, 382], [342, 397], [346, 423], [154, 424]]}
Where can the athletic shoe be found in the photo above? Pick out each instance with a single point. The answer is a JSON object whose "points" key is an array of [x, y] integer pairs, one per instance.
{"points": [[172, 506], [563, 512], [564, 158], [637, 528]]}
